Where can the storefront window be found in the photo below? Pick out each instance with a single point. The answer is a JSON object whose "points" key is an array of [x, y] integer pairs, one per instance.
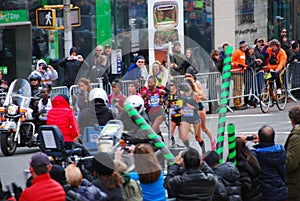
{"points": [[278, 17], [198, 19]]}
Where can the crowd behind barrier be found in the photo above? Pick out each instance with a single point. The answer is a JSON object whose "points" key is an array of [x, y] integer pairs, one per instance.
{"points": [[252, 84], [293, 80]]}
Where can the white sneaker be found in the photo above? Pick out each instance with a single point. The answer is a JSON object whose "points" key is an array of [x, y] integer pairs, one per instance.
{"points": [[278, 91]]}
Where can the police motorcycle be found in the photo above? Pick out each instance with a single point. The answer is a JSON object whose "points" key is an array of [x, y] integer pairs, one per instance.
{"points": [[17, 128]]}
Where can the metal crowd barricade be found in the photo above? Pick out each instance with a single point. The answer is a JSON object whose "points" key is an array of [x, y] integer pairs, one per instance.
{"points": [[74, 89], [59, 90], [126, 83], [243, 86], [293, 80]]}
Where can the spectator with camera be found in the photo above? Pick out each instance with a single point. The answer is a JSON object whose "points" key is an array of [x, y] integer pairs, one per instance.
{"points": [[189, 178], [46, 72], [271, 158], [71, 65], [275, 59]]}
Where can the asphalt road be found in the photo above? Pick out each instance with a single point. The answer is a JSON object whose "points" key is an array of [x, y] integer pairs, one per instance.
{"points": [[246, 121]]}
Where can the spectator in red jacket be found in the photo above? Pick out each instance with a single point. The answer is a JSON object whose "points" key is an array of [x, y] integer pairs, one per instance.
{"points": [[43, 187], [62, 116]]}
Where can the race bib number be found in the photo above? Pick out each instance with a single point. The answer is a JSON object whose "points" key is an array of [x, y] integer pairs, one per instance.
{"points": [[154, 101], [187, 112]]}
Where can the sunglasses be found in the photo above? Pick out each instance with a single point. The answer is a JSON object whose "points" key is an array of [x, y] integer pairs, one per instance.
{"points": [[217, 54], [99, 50], [33, 79], [188, 76], [261, 41], [283, 32], [141, 62]]}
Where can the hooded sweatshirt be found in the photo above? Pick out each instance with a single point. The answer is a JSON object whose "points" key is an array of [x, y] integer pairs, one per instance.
{"points": [[47, 76]]}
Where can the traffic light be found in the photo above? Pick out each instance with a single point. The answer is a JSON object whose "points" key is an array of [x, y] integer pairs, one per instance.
{"points": [[45, 18], [75, 17]]}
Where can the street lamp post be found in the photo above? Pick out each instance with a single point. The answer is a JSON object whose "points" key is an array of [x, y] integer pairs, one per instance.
{"points": [[68, 27]]}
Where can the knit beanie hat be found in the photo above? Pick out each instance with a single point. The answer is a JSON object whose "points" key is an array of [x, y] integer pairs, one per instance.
{"points": [[138, 57], [211, 158], [103, 163], [58, 174], [73, 49], [190, 70], [243, 44]]}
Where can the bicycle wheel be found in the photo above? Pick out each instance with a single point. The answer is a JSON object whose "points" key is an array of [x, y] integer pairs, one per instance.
{"points": [[265, 99], [281, 100]]}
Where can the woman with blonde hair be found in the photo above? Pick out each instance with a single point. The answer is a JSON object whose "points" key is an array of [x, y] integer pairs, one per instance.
{"points": [[160, 73], [149, 173]]}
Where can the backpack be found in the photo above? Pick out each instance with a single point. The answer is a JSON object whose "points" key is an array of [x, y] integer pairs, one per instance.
{"points": [[132, 191]]}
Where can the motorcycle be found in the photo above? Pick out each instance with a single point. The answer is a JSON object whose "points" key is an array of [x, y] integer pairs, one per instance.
{"points": [[17, 128]]}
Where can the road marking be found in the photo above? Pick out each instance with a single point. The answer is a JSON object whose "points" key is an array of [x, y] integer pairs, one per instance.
{"points": [[241, 115]]}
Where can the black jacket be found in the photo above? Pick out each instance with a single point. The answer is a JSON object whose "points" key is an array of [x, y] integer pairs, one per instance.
{"points": [[114, 194], [249, 178], [229, 186], [91, 115], [193, 184], [71, 69]]}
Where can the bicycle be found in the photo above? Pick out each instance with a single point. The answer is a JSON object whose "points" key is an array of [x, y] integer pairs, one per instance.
{"points": [[269, 94]]}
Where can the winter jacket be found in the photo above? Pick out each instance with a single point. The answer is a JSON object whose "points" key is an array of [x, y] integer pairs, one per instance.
{"points": [[194, 184], [89, 192], [272, 177], [98, 71], [114, 194], [249, 178], [229, 186], [71, 69], [99, 114], [44, 188], [238, 60], [47, 76], [280, 58], [292, 147], [136, 73], [63, 117]]}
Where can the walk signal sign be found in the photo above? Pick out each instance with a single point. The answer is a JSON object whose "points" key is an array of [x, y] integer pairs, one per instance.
{"points": [[45, 18], [75, 17]]}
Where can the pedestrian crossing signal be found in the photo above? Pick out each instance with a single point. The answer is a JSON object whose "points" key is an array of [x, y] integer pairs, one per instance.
{"points": [[45, 18]]}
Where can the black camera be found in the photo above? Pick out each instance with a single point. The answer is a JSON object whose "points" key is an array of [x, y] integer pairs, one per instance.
{"points": [[251, 138], [45, 67]]}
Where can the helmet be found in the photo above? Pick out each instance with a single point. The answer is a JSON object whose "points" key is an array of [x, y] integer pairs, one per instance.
{"points": [[136, 101], [98, 93], [35, 76]]}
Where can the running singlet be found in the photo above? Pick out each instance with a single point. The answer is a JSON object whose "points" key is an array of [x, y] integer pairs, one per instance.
{"points": [[153, 103], [189, 112], [175, 106]]}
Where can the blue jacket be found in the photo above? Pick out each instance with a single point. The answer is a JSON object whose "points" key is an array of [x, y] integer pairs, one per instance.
{"points": [[273, 171]]}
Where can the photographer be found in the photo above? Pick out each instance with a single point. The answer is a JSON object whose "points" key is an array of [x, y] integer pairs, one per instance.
{"points": [[271, 158], [46, 72]]}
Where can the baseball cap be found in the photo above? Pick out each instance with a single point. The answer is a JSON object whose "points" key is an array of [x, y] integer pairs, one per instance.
{"points": [[107, 46], [39, 159]]}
